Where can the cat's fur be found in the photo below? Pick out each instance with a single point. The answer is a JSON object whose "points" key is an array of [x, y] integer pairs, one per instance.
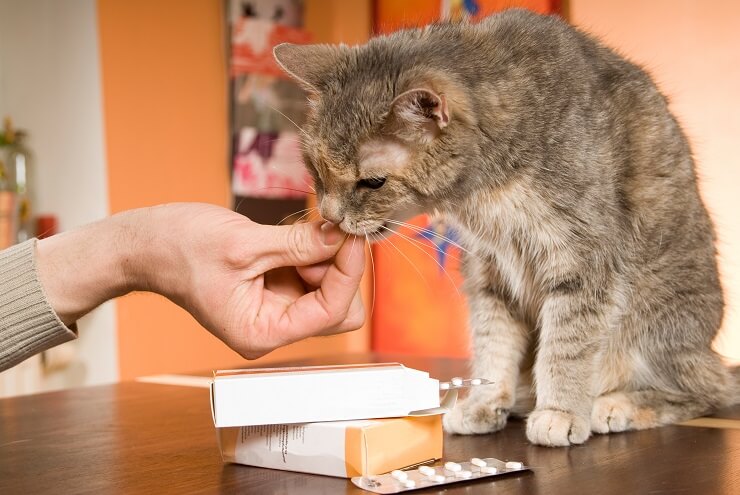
{"points": [[572, 186]]}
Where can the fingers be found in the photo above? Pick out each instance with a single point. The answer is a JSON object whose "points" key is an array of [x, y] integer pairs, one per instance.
{"points": [[354, 320], [326, 309], [314, 274], [300, 244], [285, 282]]}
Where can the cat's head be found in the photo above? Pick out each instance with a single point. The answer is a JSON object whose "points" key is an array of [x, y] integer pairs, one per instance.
{"points": [[385, 137]]}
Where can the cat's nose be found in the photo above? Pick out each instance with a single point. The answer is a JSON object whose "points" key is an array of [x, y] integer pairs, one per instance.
{"points": [[331, 210]]}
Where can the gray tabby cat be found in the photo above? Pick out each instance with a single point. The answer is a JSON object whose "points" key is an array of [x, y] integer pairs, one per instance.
{"points": [[574, 190]]}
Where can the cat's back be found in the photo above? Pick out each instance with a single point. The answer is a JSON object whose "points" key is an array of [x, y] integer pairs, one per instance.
{"points": [[543, 48]]}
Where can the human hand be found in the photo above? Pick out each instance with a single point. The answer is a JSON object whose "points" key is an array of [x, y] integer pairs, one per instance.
{"points": [[255, 287]]}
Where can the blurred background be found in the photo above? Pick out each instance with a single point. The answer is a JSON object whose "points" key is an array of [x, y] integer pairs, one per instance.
{"points": [[118, 104]]}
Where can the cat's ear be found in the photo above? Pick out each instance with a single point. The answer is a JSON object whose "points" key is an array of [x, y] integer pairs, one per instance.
{"points": [[419, 115], [308, 64]]}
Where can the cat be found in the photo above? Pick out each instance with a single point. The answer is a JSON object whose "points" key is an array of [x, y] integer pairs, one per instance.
{"points": [[590, 266]]}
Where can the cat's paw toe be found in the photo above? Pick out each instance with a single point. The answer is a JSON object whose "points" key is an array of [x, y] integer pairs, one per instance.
{"points": [[553, 428], [611, 413], [470, 417]]}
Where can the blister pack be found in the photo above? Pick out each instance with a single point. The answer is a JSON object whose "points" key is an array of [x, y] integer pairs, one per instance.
{"points": [[437, 475]]}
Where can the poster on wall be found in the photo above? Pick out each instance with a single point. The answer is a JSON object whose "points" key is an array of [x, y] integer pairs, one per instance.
{"points": [[269, 180]]}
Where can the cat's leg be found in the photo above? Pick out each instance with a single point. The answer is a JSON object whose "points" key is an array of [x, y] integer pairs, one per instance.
{"points": [[572, 320], [693, 386], [640, 410], [499, 342]]}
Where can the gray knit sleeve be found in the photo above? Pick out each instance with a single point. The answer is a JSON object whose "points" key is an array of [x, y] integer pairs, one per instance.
{"points": [[28, 324]]}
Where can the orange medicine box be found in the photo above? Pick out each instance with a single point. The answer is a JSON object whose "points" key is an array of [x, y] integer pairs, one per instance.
{"points": [[338, 448]]}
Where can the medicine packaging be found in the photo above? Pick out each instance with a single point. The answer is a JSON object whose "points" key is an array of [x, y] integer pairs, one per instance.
{"points": [[438, 475], [338, 448], [320, 393]]}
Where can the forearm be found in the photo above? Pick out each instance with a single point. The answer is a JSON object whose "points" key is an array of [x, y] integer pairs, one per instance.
{"points": [[137, 250], [49, 284], [83, 268]]}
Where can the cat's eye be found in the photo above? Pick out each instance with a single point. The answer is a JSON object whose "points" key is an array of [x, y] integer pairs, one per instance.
{"points": [[372, 182]]}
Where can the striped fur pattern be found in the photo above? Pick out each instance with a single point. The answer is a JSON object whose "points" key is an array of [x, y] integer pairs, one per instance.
{"points": [[590, 267]]}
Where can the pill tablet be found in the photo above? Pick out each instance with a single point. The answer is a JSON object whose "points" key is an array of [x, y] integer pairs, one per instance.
{"points": [[464, 474], [444, 386], [437, 478], [409, 483], [488, 470], [399, 475], [453, 466], [478, 462], [475, 381], [457, 381], [514, 465], [427, 471]]}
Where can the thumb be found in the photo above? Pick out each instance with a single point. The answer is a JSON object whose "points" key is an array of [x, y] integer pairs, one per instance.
{"points": [[299, 244]]}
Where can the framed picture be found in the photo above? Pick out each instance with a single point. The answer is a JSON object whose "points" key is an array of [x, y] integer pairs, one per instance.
{"points": [[267, 110]]}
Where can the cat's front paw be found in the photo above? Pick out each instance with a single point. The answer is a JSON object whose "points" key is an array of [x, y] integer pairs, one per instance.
{"points": [[476, 415], [611, 413], [553, 428]]}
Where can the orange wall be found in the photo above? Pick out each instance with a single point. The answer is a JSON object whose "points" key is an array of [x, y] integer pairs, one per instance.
{"points": [[339, 21], [391, 15], [691, 49], [165, 115]]}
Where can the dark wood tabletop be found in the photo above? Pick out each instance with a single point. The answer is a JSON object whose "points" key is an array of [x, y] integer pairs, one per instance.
{"points": [[151, 438]]}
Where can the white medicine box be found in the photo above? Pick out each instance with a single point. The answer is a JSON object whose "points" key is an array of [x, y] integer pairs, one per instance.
{"points": [[320, 393]]}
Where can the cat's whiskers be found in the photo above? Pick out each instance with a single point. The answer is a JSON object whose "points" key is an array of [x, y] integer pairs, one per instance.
{"points": [[352, 250], [286, 189], [283, 137], [313, 189], [433, 233], [416, 241], [300, 129], [372, 264], [416, 268], [436, 262], [306, 210]]}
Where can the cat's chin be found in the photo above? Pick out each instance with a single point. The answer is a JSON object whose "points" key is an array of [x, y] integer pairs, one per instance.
{"points": [[379, 234]]}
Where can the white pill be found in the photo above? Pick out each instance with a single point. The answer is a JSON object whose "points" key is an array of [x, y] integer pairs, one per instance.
{"points": [[478, 462], [488, 470], [444, 386], [464, 474], [409, 483], [453, 466], [399, 475], [514, 465], [476, 381], [457, 381], [437, 478], [427, 471]]}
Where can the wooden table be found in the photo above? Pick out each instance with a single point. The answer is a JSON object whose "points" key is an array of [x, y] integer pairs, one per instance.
{"points": [[150, 438]]}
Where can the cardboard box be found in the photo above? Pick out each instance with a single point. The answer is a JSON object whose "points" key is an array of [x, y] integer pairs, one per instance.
{"points": [[320, 393], [341, 448]]}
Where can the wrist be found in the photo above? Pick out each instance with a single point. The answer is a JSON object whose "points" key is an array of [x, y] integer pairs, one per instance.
{"points": [[150, 254]]}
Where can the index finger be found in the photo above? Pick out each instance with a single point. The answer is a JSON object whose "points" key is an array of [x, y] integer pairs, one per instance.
{"points": [[327, 307]]}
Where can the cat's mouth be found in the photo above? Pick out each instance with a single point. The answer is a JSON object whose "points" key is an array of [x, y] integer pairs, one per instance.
{"points": [[380, 233]]}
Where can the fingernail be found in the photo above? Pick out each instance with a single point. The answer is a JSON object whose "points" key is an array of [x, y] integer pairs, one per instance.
{"points": [[331, 234]]}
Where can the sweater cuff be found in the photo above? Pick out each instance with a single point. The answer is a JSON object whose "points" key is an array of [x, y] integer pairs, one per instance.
{"points": [[28, 324]]}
